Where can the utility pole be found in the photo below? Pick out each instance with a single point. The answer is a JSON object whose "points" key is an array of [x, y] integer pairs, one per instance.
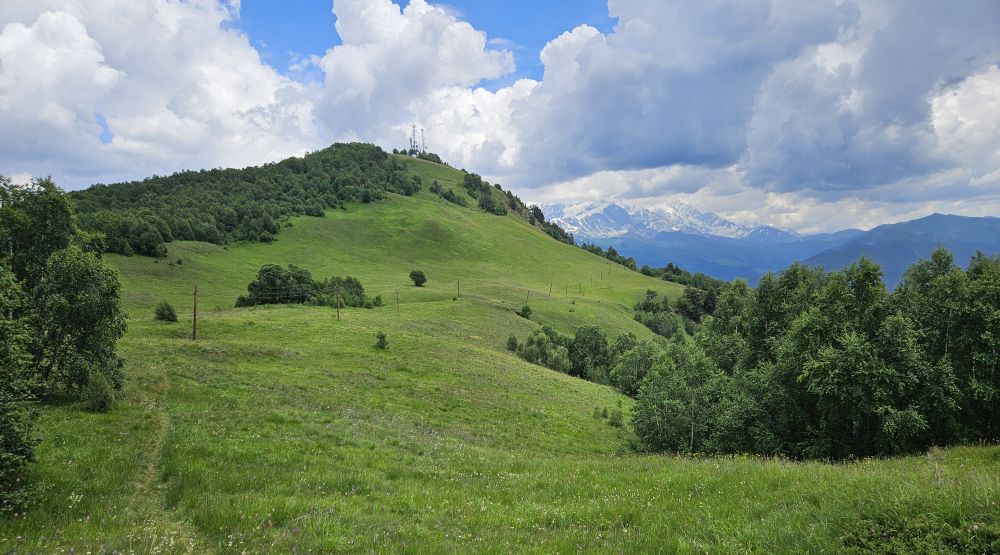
{"points": [[580, 285], [337, 290], [459, 284], [550, 289], [194, 321], [526, 297], [397, 302]]}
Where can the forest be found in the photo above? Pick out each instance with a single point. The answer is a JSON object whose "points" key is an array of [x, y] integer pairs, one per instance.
{"points": [[250, 204], [808, 364]]}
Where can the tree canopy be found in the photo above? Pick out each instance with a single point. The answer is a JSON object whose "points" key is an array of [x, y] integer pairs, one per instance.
{"points": [[833, 365], [247, 204], [60, 319]]}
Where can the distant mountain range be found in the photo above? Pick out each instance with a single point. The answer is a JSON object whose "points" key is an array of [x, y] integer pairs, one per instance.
{"points": [[705, 242], [603, 220]]}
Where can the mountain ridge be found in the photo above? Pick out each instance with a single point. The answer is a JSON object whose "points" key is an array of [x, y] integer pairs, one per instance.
{"points": [[606, 219], [705, 242]]}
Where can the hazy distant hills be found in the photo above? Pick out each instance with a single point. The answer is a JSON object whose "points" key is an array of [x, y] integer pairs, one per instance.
{"points": [[896, 246], [705, 242]]}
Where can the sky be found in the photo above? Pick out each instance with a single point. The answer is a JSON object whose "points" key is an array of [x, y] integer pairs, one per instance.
{"points": [[811, 115]]}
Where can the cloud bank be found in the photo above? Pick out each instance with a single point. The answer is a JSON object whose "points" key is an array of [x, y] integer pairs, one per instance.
{"points": [[811, 115]]}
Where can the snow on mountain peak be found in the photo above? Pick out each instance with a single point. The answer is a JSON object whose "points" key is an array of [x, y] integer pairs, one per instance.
{"points": [[591, 220]]}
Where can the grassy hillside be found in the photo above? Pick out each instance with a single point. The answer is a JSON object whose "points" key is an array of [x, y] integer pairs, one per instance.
{"points": [[283, 429]]}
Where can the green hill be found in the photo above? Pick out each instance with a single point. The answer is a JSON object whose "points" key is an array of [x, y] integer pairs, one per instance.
{"points": [[281, 428]]}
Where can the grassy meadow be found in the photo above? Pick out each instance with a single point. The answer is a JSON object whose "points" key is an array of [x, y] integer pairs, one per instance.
{"points": [[282, 429]]}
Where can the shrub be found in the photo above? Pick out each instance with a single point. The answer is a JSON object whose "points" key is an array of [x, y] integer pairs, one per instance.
{"points": [[512, 343], [487, 203], [546, 347], [165, 312], [525, 312], [98, 394], [616, 418], [418, 277], [451, 197], [381, 341]]}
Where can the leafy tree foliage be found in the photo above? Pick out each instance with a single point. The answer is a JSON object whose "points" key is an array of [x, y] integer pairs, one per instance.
{"points": [[294, 285], [512, 343], [611, 254], [78, 319], [655, 313], [675, 407], [673, 273], [418, 278], [590, 354], [17, 441], [219, 205], [453, 198], [546, 347], [165, 312], [431, 157], [633, 364], [489, 204], [820, 365], [587, 354], [98, 394], [60, 318]]}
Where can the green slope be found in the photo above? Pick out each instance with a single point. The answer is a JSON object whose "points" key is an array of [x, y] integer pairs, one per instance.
{"points": [[497, 261], [283, 429]]}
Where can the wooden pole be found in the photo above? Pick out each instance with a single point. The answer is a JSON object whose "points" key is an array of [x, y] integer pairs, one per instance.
{"points": [[194, 321], [550, 288], [337, 289], [459, 283], [397, 302], [526, 297]]}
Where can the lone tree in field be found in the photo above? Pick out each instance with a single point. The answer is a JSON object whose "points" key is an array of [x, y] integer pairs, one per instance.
{"points": [[418, 277]]}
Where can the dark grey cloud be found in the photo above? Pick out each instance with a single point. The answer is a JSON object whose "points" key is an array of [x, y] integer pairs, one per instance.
{"points": [[847, 125], [674, 83]]}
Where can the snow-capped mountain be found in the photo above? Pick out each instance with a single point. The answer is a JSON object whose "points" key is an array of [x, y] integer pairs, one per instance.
{"points": [[602, 220]]}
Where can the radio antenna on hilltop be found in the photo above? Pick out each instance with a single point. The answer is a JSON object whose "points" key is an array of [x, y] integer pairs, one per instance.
{"points": [[423, 143], [413, 138]]}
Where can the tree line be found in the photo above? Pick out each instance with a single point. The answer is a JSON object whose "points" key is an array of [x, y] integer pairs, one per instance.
{"points": [[611, 254], [811, 364], [250, 204], [60, 319], [675, 274], [833, 365], [495, 200]]}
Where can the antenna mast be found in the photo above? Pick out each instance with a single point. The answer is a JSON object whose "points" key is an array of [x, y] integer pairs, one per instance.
{"points": [[423, 143]]}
